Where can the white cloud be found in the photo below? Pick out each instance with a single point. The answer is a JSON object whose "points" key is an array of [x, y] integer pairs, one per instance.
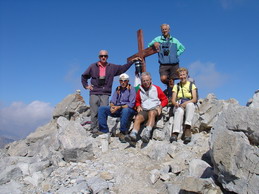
{"points": [[19, 119], [227, 4], [206, 76]]}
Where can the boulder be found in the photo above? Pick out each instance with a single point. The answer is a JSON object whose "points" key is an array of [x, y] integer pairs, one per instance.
{"points": [[72, 104], [234, 154], [254, 102]]}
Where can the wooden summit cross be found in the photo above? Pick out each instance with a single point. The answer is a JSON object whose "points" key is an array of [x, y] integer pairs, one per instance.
{"points": [[142, 53]]}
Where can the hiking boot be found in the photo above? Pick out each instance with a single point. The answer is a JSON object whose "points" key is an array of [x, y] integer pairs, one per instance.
{"points": [[146, 135], [131, 137], [97, 133], [187, 140], [173, 137], [187, 134], [94, 130], [122, 137]]}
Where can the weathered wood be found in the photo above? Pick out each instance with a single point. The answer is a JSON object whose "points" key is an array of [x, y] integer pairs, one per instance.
{"points": [[142, 53]]}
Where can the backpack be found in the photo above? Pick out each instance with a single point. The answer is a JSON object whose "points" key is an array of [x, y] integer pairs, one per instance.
{"points": [[191, 80], [118, 89]]}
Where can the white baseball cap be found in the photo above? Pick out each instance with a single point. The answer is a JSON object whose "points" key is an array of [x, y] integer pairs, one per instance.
{"points": [[124, 76]]}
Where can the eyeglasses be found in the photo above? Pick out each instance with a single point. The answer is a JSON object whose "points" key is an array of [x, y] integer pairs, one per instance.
{"points": [[124, 80], [103, 56]]}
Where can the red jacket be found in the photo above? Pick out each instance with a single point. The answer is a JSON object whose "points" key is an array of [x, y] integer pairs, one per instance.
{"points": [[151, 99]]}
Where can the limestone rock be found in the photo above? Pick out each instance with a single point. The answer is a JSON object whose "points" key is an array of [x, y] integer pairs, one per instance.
{"points": [[254, 102], [200, 169], [62, 156], [235, 160], [69, 106]]}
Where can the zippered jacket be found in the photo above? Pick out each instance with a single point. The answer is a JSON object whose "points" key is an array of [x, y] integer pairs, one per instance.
{"points": [[151, 98], [179, 46], [92, 72]]}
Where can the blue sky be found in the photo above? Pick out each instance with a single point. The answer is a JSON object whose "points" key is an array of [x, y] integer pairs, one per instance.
{"points": [[45, 46]]}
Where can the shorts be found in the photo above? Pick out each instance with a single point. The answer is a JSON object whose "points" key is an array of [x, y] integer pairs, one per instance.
{"points": [[144, 113], [170, 70]]}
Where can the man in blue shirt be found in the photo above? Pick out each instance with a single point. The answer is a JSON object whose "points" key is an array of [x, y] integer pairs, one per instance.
{"points": [[121, 105]]}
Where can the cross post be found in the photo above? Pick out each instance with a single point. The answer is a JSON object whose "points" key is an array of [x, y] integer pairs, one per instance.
{"points": [[142, 53]]}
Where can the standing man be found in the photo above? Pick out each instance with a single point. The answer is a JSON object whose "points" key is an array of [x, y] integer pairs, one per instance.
{"points": [[101, 74], [150, 100], [121, 105], [169, 48]]}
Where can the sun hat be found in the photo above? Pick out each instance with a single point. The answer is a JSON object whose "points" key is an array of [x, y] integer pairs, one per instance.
{"points": [[124, 76]]}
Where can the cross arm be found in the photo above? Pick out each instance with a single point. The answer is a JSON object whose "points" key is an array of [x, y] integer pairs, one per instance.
{"points": [[144, 53]]}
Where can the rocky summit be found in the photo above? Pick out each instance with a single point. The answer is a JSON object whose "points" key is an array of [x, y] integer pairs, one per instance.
{"points": [[63, 157]]}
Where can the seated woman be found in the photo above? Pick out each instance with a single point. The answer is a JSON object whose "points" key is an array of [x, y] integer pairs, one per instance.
{"points": [[183, 99]]}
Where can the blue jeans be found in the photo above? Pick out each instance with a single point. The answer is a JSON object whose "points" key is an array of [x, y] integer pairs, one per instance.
{"points": [[125, 115]]}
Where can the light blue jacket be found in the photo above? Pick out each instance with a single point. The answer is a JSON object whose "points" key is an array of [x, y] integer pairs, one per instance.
{"points": [[160, 39]]}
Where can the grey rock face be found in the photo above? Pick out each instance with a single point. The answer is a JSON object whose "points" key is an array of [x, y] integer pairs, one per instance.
{"points": [[254, 102], [69, 106], [208, 111], [62, 157], [75, 144], [4, 141], [234, 154]]}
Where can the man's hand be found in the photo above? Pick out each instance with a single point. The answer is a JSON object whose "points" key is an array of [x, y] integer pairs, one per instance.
{"points": [[136, 59], [89, 87], [113, 109], [156, 45], [139, 108], [159, 109], [183, 105]]}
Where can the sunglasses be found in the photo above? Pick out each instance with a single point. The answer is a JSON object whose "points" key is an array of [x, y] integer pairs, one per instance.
{"points": [[124, 80], [103, 56]]}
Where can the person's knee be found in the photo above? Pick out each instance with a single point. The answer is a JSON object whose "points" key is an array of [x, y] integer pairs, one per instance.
{"points": [[139, 119], [101, 109], [190, 106], [152, 114], [179, 111], [164, 79], [125, 111]]}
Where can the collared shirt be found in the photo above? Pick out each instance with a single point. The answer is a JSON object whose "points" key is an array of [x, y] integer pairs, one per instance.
{"points": [[124, 97], [92, 73], [102, 69]]}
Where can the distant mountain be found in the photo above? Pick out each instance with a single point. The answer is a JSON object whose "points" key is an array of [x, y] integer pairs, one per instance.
{"points": [[4, 141]]}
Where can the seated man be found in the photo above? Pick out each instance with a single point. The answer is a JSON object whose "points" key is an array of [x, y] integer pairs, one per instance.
{"points": [[121, 105], [150, 100]]}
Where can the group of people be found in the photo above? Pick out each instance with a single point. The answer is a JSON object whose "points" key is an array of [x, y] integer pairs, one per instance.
{"points": [[144, 104]]}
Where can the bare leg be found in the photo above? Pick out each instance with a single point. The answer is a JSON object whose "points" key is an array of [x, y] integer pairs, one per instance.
{"points": [[138, 120], [164, 79], [152, 118]]}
